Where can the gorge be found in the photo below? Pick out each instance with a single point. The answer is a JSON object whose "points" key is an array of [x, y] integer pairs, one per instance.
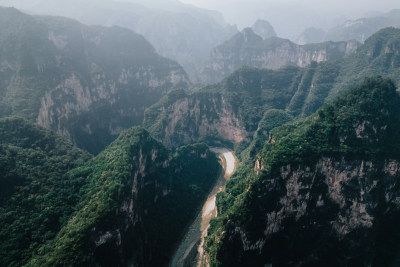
{"points": [[190, 251], [113, 155]]}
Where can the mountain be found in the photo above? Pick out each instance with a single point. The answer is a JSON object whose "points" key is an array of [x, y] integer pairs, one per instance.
{"points": [[38, 191], [231, 111], [86, 83], [128, 205], [248, 48], [323, 191], [359, 29], [264, 29], [178, 31], [139, 198]]}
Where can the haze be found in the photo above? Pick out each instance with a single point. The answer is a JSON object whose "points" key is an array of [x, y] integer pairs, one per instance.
{"points": [[291, 17]]}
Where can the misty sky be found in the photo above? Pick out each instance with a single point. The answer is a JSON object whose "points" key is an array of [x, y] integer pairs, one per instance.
{"points": [[305, 13]]}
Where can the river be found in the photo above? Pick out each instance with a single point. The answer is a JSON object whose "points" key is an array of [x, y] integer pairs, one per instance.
{"points": [[190, 250]]}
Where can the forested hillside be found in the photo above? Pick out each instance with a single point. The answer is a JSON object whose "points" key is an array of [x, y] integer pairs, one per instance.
{"points": [[127, 205], [86, 83], [322, 191], [108, 150], [39, 188], [239, 102]]}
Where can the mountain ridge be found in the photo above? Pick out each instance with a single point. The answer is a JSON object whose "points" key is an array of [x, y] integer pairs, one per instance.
{"points": [[319, 187], [360, 29], [65, 76], [249, 49], [249, 93], [61, 206], [178, 31]]}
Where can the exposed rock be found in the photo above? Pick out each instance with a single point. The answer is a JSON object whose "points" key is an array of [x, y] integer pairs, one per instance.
{"points": [[196, 118], [249, 49], [329, 192], [86, 83]]}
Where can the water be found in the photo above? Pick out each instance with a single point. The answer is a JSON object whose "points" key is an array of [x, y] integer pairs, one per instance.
{"points": [[198, 229]]}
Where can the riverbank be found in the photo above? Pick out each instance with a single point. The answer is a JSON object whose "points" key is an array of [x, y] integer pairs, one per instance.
{"points": [[194, 238]]}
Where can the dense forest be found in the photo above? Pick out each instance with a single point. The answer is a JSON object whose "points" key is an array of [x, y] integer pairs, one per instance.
{"points": [[240, 101], [65, 202], [109, 150], [304, 196]]}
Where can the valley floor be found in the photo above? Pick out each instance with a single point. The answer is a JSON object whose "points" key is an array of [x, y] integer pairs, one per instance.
{"points": [[195, 234]]}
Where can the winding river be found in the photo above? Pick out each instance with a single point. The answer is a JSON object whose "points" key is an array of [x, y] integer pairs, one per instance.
{"points": [[190, 250]]}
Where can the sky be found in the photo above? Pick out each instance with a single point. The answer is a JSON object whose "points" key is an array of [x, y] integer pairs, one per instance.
{"points": [[305, 13]]}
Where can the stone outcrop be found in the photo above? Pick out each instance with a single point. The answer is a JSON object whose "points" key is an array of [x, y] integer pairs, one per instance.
{"points": [[85, 83], [196, 118], [325, 192], [249, 49], [333, 204]]}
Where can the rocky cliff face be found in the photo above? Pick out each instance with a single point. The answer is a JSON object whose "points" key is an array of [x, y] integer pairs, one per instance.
{"points": [[249, 49], [147, 190], [249, 93], [322, 192], [326, 214], [195, 118], [137, 199], [86, 83]]}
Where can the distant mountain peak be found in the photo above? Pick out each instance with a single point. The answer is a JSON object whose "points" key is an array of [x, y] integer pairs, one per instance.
{"points": [[249, 36], [264, 29]]}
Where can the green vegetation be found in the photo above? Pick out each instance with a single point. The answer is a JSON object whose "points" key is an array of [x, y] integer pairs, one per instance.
{"points": [[361, 124], [38, 191], [343, 127], [135, 188], [59, 206], [378, 56], [85, 82], [155, 116], [56, 202], [272, 118], [250, 92]]}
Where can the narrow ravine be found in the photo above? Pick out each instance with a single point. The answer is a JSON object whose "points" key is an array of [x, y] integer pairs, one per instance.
{"points": [[190, 250]]}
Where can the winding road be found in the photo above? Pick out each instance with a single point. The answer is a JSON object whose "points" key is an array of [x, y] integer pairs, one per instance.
{"points": [[194, 237]]}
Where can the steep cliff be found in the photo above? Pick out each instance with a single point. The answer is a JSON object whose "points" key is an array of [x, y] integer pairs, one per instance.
{"points": [[323, 191], [232, 109], [226, 112], [86, 83], [183, 119], [137, 199], [249, 49]]}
